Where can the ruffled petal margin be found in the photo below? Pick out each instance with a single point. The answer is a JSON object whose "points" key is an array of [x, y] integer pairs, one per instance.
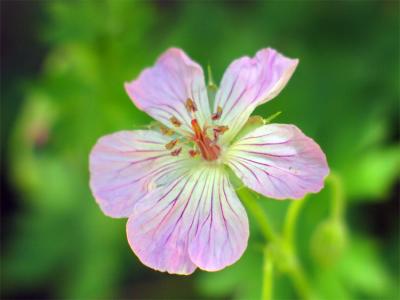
{"points": [[126, 165], [249, 82], [196, 221], [279, 161], [163, 89]]}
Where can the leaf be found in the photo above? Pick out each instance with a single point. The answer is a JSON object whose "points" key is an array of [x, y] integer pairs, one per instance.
{"points": [[370, 177], [363, 271]]}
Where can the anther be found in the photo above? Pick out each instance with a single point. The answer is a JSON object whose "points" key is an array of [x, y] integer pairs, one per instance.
{"points": [[193, 153], [175, 121], [217, 115], [171, 144], [176, 151], [219, 130], [166, 131], [190, 105]]}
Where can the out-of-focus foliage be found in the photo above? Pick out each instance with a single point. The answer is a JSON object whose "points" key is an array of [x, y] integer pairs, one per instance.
{"points": [[344, 94]]}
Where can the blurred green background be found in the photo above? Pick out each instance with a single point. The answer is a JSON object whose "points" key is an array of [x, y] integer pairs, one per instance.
{"points": [[63, 65]]}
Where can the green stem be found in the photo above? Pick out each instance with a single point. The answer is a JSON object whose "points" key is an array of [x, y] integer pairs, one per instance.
{"points": [[259, 214], [291, 218], [296, 273], [268, 276], [300, 282], [337, 195]]}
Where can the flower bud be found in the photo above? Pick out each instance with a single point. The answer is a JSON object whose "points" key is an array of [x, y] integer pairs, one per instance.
{"points": [[328, 242]]}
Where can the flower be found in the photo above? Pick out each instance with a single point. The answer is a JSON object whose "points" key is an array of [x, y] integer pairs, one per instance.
{"points": [[172, 182]]}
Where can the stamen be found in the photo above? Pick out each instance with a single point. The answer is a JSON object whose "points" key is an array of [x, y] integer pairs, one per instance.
{"points": [[217, 115], [219, 130], [190, 106], [193, 153], [166, 131], [175, 121], [171, 144], [176, 152]]}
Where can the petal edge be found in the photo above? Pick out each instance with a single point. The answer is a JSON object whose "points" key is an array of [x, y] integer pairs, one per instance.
{"points": [[162, 90], [249, 82], [279, 161]]}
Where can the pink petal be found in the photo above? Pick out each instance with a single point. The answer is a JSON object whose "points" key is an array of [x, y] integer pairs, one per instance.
{"points": [[221, 229], [249, 82], [163, 89], [279, 161], [195, 221], [125, 165]]}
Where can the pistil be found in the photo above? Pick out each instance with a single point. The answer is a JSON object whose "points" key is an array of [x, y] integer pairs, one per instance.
{"points": [[208, 149]]}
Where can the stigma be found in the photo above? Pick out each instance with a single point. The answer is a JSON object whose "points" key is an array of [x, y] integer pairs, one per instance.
{"points": [[208, 149]]}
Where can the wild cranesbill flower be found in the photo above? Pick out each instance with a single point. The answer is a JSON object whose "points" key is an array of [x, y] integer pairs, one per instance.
{"points": [[172, 182]]}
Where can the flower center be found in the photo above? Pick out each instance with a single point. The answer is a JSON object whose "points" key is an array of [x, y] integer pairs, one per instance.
{"points": [[204, 140], [209, 149]]}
